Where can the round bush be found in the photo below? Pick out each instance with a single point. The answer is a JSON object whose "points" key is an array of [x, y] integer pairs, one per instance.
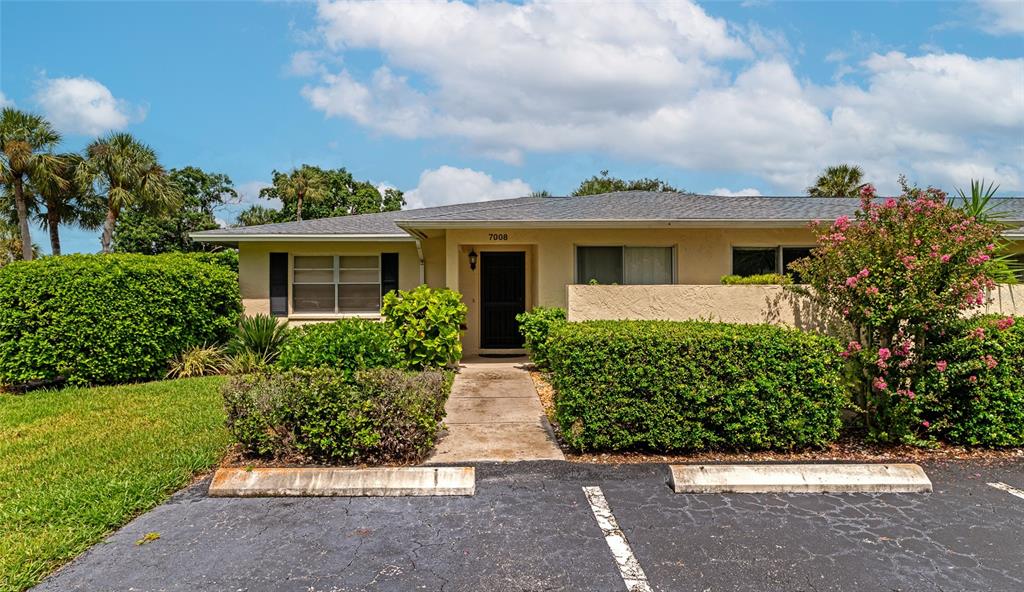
{"points": [[347, 345], [104, 319]]}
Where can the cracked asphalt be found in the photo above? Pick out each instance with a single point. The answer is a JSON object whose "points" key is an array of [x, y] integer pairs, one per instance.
{"points": [[529, 527]]}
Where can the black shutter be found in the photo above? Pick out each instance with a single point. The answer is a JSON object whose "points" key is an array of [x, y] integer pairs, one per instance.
{"points": [[388, 273], [279, 284]]}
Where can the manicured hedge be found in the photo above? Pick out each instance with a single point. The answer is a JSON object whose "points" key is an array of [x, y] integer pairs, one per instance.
{"points": [[103, 319], [764, 279], [377, 416], [976, 383], [679, 386], [347, 345], [535, 327]]}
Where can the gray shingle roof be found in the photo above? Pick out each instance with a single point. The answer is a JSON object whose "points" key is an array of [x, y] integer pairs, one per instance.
{"points": [[634, 207]]}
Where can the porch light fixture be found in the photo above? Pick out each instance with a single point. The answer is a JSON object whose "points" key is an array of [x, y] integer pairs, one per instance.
{"points": [[472, 260]]}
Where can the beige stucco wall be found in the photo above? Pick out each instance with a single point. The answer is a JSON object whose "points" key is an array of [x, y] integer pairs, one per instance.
{"points": [[731, 304]]}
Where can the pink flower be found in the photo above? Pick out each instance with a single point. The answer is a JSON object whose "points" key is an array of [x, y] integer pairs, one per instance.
{"points": [[1004, 324], [879, 384], [851, 281], [972, 378], [853, 346], [863, 273], [941, 365], [926, 423], [872, 291], [978, 333], [884, 354], [890, 203], [990, 362], [945, 258]]}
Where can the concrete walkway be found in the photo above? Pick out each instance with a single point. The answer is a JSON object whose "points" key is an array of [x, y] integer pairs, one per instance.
{"points": [[494, 414]]}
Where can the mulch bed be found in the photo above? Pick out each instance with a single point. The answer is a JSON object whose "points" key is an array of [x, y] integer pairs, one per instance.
{"points": [[848, 448]]}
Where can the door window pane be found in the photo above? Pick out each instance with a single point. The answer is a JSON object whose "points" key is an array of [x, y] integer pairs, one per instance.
{"points": [[648, 265], [748, 261], [600, 264]]}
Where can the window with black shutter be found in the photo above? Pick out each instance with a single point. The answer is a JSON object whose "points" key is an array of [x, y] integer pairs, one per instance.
{"points": [[279, 284], [388, 273]]}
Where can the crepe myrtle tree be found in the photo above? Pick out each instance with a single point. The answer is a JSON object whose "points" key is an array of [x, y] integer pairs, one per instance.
{"points": [[899, 272]]}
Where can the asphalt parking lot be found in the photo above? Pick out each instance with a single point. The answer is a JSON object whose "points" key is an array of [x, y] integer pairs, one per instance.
{"points": [[531, 526]]}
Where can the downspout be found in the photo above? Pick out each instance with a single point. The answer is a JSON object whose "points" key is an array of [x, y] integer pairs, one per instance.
{"points": [[419, 253]]}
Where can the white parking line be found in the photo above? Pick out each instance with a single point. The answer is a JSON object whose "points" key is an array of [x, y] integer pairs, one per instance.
{"points": [[1008, 489], [632, 574]]}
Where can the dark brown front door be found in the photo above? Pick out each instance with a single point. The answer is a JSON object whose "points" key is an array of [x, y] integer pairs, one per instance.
{"points": [[502, 297]]}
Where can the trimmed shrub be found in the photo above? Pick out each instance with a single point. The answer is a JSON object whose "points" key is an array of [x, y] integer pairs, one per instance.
{"points": [[378, 416], [535, 326], [975, 384], [425, 324], [227, 258], [677, 386], [764, 279], [104, 319], [347, 345]]}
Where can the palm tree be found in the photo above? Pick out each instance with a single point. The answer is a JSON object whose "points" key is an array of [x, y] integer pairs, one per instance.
{"points": [[10, 243], [842, 180], [26, 140], [67, 199], [303, 184], [126, 172]]}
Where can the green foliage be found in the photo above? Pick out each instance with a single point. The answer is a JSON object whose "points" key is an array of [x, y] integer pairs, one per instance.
{"points": [[347, 345], [338, 193], [26, 144], [141, 230], [425, 323], [900, 272], [604, 184], [101, 319], [227, 258], [841, 180], [973, 392], [535, 327], [323, 415], [79, 463], [260, 335], [676, 386], [764, 279], [201, 360]]}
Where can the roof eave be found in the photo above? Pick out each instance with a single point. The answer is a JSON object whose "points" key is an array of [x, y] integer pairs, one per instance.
{"points": [[220, 237], [410, 225]]}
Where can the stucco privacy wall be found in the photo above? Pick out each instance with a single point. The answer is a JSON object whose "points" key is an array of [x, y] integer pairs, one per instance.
{"points": [[732, 304]]}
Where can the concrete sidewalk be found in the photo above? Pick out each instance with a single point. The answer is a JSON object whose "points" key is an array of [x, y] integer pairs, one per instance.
{"points": [[494, 414]]}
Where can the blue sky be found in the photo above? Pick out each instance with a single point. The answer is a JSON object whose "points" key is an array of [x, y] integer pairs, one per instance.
{"points": [[454, 102]]}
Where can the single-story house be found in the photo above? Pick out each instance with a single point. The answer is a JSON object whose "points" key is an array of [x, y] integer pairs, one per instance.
{"points": [[509, 255]]}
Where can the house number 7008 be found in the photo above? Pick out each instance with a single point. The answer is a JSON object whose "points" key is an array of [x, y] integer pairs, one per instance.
{"points": [[497, 236]]}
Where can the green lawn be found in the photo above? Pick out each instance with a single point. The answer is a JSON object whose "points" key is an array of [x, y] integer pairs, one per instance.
{"points": [[76, 464]]}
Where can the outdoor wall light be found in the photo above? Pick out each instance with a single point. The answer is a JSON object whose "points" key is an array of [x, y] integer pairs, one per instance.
{"points": [[472, 260]]}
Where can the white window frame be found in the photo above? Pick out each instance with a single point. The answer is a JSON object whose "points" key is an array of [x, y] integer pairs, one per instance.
{"points": [[576, 259], [336, 270]]}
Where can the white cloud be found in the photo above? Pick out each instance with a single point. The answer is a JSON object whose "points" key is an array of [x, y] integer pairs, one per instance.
{"points": [[4, 101], [249, 193], [448, 185], [1002, 17], [725, 192], [84, 106], [306, 63], [509, 79]]}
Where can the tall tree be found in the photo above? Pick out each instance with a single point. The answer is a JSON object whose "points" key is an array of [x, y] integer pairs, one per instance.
{"points": [[139, 230], [344, 196], [306, 183], [26, 144], [67, 200], [841, 180], [10, 243], [127, 173], [605, 184]]}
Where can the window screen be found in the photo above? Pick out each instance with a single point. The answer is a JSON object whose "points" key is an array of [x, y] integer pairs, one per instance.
{"points": [[602, 265], [624, 265], [748, 261], [332, 284]]}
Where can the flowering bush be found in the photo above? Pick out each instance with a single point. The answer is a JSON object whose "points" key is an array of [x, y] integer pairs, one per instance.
{"points": [[977, 377], [900, 271]]}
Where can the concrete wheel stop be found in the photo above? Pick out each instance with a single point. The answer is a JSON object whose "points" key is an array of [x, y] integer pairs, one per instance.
{"points": [[800, 478], [346, 482]]}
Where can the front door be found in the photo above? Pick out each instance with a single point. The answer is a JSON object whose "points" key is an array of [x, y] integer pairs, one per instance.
{"points": [[502, 297]]}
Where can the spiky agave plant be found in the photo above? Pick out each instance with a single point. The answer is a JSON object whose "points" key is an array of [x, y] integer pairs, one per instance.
{"points": [[261, 335], [978, 204], [201, 360]]}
